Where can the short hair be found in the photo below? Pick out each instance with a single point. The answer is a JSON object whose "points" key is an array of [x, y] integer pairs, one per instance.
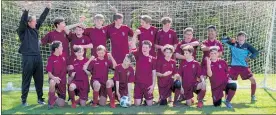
{"points": [[242, 33], [98, 17], [131, 57], [212, 27], [166, 20], [77, 49], [80, 27], [188, 48], [55, 44], [147, 42], [117, 16], [30, 18], [146, 18], [168, 47], [58, 20], [100, 48], [188, 29], [213, 48]]}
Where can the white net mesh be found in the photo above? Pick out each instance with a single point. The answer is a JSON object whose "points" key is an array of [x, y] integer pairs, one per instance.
{"points": [[253, 17]]}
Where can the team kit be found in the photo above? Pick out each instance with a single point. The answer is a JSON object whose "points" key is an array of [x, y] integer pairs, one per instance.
{"points": [[145, 57]]}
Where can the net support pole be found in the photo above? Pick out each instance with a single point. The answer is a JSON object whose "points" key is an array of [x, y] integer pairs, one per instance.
{"points": [[267, 69]]}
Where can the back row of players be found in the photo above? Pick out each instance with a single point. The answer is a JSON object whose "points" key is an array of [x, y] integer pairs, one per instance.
{"points": [[149, 63]]}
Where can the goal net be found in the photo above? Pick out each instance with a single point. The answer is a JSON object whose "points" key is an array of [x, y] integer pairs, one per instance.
{"points": [[230, 17]]}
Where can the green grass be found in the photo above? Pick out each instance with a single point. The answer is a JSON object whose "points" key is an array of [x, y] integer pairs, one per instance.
{"points": [[266, 103]]}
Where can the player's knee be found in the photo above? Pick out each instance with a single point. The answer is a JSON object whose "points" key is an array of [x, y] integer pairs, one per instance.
{"points": [[109, 83], [96, 85], [52, 83], [252, 80], [232, 86], [72, 87]]}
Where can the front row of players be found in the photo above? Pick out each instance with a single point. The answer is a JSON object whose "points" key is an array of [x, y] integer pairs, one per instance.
{"points": [[189, 78]]}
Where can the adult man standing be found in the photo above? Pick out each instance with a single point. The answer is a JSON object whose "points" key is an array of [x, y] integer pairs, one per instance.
{"points": [[31, 58]]}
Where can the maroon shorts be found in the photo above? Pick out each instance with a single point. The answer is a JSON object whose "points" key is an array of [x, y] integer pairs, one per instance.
{"points": [[60, 89], [141, 91], [102, 91], [165, 90], [217, 93], [190, 90], [244, 72], [82, 89]]}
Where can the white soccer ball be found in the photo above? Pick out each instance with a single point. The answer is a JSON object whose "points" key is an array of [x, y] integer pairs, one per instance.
{"points": [[124, 101]]}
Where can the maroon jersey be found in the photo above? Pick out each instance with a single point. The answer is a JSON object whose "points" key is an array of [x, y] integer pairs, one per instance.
{"points": [[119, 41], [144, 67], [190, 73], [57, 66], [148, 34], [78, 68], [163, 38], [57, 36], [210, 43], [180, 51], [123, 75], [97, 37], [219, 73], [163, 66], [74, 40], [99, 69]]}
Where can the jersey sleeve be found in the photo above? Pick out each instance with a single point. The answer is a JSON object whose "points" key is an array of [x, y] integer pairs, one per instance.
{"points": [[50, 65], [46, 39]]}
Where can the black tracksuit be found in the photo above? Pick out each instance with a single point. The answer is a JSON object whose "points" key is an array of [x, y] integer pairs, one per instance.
{"points": [[31, 58]]}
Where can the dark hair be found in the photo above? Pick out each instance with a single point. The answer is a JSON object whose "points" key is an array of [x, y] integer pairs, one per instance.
{"points": [[54, 45], [131, 57], [212, 48], [58, 20], [147, 42], [166, 20], [117, 16], [77, 49], [146, 18], [242, 33], [212, 27], [188, 48]]}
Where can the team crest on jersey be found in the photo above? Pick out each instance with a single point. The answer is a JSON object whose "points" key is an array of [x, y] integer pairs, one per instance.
{"points": [[220, 66], [149, 59], [128, 73], [63, 58], [193, 65], [123, 33], [170, 35], [172, 65], [105, 63], [103, 31], [82, 41], [151, 32]]}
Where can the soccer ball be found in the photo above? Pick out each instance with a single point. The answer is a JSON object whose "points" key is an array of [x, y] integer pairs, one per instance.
{"points": [[124, 101]]}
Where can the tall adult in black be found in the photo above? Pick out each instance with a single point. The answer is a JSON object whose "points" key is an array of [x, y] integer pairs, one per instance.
{"points": [[32, 65]]}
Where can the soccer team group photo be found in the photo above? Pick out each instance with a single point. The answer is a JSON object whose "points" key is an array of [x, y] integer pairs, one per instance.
{"points": [[109, 60]]}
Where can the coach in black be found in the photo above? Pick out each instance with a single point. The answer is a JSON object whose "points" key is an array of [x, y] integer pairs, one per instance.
{"points": [[31, 58]]}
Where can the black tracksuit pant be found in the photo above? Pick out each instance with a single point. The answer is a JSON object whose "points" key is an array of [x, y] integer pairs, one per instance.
{"points": [[32, 66]]}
